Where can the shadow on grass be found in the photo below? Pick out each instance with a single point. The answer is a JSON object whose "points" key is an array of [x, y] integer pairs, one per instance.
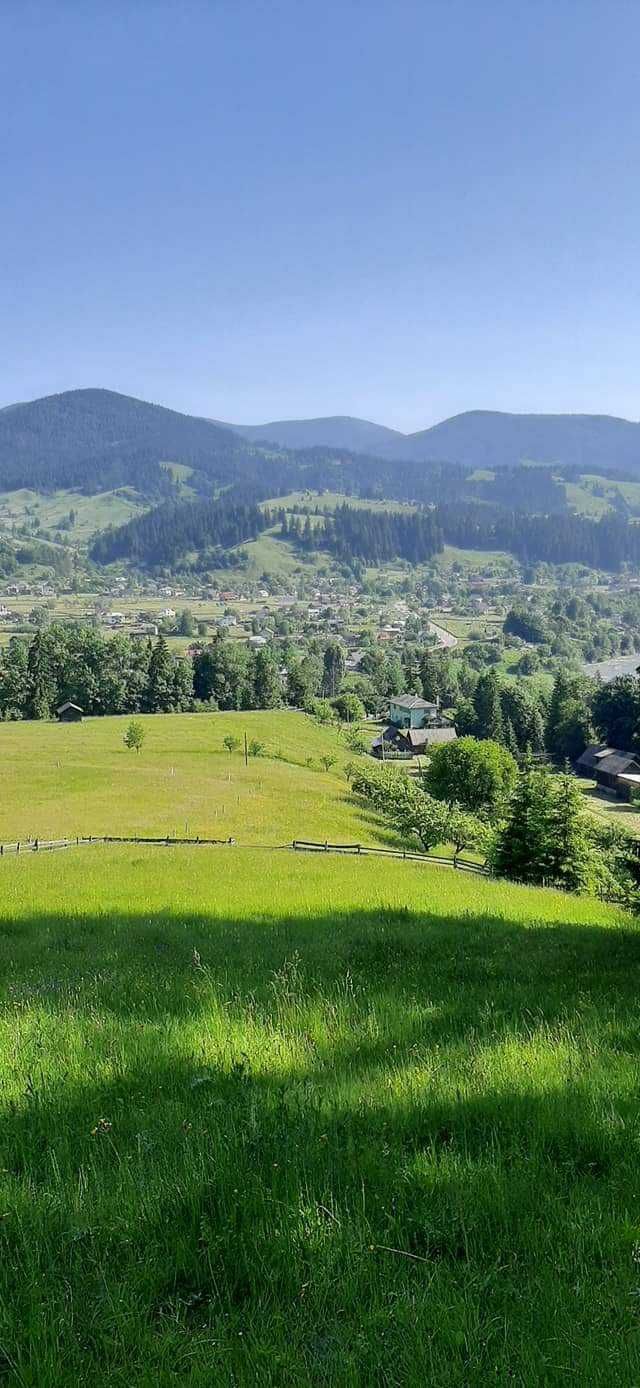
{"points": [[317, 1128]]}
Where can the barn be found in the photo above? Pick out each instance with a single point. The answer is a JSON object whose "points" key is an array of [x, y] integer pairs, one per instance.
{"points": [[69, 713]]}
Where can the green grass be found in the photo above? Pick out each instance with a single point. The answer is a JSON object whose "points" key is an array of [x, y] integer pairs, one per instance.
{"points": [[93, 513], [475, 560], [618, 812], [69, 779], [488, 624], [279, 1120], [329, 501], [582, 498], [272, 556]]}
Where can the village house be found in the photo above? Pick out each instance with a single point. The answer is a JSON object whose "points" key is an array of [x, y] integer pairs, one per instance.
{"points": [[414, 725], [614, 771], [410, 711]]}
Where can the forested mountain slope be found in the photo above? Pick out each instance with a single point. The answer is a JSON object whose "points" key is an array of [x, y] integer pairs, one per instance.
{"points": [[97, 439], [475, 439], [334, 431]]}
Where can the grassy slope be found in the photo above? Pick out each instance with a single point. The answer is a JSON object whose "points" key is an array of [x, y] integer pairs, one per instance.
{"points": [[93, 513], [272, 1120], [79, 779], [329, 501]]}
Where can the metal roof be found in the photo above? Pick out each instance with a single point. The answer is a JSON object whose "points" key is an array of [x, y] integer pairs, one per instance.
{"points": [[410, 701], [618, 762]]}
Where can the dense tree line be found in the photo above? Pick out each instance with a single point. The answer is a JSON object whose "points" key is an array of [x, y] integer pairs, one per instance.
{"points": [[531, 824], [607, 543], [528, 489], [374, 536], [102, 675], [166, 534]]}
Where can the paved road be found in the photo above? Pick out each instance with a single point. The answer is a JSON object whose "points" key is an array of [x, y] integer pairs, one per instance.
{"points": [[445, 638]]}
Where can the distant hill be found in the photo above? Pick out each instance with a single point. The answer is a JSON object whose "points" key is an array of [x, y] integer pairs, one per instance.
{"points": [[477, 439], [336, 431], [488, 438], [96, 439]]}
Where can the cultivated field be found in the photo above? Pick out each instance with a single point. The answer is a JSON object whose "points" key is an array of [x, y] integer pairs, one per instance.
{"points": [[273, 1120]]}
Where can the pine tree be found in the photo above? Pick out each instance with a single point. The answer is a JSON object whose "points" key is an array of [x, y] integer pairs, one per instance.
{"points": [[266, 681], [570, 845], [333, 671], [41, 682], [522, 847], [430, 676], [486, 702], [509, 738], [159, 694]]}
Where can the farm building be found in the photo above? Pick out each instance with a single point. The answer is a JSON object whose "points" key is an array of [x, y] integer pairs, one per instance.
{"points": [[69, 713], [613, 771], [411, 742]]}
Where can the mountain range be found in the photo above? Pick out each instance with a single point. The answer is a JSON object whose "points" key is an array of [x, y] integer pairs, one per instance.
{"points": [[476, 438], [96, 439]]}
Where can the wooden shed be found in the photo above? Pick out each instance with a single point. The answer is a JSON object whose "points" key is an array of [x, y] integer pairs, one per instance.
{"points": [[69, 713]]}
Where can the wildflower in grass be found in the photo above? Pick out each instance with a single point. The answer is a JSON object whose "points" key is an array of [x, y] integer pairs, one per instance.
{"points": [[102, 1126]]}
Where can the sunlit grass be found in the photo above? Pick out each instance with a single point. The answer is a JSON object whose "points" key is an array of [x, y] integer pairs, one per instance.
{"points": [[60, 780], [280, 1120]]}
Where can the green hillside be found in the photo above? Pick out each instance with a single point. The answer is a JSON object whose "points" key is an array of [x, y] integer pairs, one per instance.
{"points": [[283, 1120], [61, 779]]}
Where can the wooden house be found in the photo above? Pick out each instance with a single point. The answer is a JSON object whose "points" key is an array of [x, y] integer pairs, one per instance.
{"points": [[614, 771]]}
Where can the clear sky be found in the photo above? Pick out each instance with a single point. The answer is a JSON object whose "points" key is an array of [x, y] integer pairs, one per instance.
{"points": [[257, 211]]}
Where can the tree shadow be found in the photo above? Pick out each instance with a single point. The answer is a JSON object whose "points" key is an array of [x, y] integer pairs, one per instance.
{"points": [[340, 1147]]}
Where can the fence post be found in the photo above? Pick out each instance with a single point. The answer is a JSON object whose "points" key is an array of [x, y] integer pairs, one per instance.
{"points": [[18, 846], [326, 845], [36, 846]]}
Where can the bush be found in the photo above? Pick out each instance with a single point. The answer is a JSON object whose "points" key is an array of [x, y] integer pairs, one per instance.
{"points": [[349, 708]]}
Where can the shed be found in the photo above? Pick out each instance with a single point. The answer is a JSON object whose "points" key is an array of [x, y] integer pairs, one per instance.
{"points": [[69, 713]]}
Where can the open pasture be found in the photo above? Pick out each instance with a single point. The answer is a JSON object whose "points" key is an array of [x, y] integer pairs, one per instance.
{"points": [[272, 1120], [62, 780]]}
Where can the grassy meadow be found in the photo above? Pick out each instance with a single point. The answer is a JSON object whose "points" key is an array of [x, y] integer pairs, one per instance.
{"points": [[276, 1120], [60, 780]]}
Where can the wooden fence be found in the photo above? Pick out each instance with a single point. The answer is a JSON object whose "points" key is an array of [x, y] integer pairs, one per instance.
{"points": [[364, 850], [298, 846]]}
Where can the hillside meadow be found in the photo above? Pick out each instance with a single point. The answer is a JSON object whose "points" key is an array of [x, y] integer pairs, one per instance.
{"points": [[280, 1120], [67, 779]]}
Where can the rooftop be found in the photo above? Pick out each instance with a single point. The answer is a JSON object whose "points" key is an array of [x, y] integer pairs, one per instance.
{"points": [[410, 701]]}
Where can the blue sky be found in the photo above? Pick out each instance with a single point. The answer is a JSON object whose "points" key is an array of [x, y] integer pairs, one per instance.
{"points": [[262, 210]]}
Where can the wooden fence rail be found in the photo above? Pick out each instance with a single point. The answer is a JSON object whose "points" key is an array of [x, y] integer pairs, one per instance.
{"points": [[405, 855], [298, 846]]}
